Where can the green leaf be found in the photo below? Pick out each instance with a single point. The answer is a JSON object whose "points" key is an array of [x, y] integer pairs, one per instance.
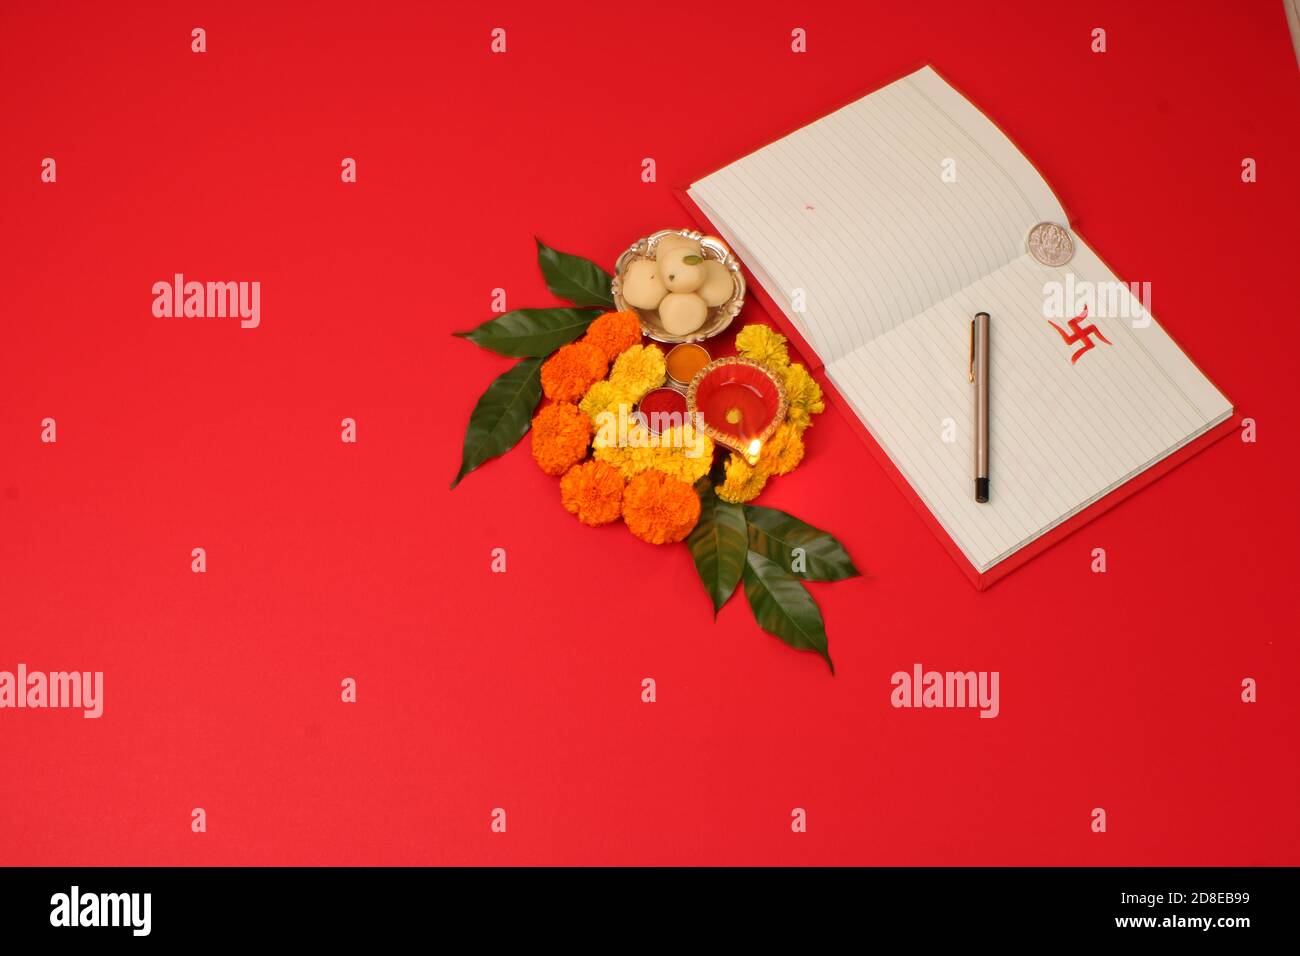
{"points": [[579, 280], [530, 333], [692, 260], [775, 534], [782, 606], [718, 544], [502, 415]]}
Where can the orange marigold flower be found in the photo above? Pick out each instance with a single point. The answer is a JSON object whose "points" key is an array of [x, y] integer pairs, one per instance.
{"points": [[561, 437], [660, 509], [568, 373], [614, 333], [593, 491]]}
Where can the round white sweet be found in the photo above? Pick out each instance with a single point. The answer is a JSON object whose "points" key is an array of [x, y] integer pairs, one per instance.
{"points": [[682, 270], [681, 313], [668, 243], [642, 286], [718, 284]]}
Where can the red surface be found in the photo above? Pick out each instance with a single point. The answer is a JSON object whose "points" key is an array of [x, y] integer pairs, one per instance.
{"points": [[522, 690]]}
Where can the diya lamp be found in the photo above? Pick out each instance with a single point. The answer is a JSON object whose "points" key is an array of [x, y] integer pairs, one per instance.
{"points": [[739, 402]]}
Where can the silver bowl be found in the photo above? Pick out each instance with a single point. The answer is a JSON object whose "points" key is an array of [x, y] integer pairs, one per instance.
{"points": [[719, 317]]}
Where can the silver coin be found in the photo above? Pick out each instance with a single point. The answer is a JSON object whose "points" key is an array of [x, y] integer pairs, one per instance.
{"points": [[1050, 244]]}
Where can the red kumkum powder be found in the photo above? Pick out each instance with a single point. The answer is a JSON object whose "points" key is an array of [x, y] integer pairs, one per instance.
{"points": [[663, 402]]}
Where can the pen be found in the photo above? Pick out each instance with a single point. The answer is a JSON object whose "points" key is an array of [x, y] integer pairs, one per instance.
{"points": [[979, 375]]}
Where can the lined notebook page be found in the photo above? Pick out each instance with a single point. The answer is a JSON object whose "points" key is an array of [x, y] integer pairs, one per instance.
{"points": [[1062, 435], [850, 224]]}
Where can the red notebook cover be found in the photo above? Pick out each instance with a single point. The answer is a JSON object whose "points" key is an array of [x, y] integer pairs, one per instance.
{"points": [[816, 367]]}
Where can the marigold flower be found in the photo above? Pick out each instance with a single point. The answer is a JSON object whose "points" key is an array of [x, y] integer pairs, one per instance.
{"points": [[783, 451], [561, 434], [743, 481], [637, 370], [603, 396], [593, 491], [568, 373], [660, 509], [803, 395], [614, 333], [682, 452], [764, 345]]}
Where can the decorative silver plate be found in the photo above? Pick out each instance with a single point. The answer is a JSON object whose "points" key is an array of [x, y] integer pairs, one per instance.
{"points": [[718, 318]]}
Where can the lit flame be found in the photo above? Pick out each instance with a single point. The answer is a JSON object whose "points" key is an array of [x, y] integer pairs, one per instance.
{"points": [[751, 454]]}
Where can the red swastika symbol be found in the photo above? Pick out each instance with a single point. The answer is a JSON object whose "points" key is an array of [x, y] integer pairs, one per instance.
{"points": [[1081, 333]]}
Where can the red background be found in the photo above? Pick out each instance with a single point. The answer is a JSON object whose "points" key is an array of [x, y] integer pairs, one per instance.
{"points": [[481, 690]]}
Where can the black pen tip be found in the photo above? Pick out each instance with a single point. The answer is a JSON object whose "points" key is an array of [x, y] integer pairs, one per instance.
{"points": [[981, 490]]}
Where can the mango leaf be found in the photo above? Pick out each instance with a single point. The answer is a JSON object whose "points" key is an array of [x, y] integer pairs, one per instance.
{"points": [[782, 606], [579, 280], [530, 333], [502, 415], [775, 535], [718, 544]]}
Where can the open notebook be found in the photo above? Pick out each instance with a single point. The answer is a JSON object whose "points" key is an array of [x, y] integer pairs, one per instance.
{"points": [[878, 255]]}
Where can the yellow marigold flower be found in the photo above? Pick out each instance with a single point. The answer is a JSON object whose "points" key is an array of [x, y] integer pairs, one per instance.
{"points": [[568, 373], [638, 370], [743, 482], [603, 396], [593, 491], [681, 452], [684, 453], [560, 437], [804, 396], [764, 345], [614, 333], [608, 447], [783, 451], [660, 509]]}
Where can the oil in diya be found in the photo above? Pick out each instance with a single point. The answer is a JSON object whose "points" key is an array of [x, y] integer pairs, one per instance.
{"points": [[683, 361], [741, 403]]}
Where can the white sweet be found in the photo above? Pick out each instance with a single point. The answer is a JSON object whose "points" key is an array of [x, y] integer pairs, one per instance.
{"points": [[682, 270], [681, 313], [718, 284], [668, 243], [642, 286]]}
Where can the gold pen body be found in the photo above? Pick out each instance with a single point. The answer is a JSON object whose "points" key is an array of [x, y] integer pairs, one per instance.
{"points": [[980, 376]]}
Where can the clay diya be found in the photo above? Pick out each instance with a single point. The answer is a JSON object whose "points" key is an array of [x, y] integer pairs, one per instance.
{"points": [[740, 402]]}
